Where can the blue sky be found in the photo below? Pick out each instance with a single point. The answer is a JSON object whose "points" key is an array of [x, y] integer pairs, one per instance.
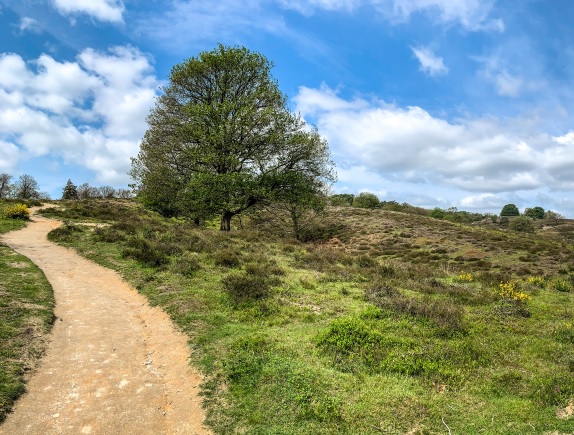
{"points": [[448, 103]]}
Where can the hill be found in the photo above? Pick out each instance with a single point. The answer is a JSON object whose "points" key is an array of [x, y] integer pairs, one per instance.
{"points": [[382, 322]]}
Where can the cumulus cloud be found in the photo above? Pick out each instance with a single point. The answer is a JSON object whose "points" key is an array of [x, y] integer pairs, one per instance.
{"points": [[410, 145], [103, 10], [90, 112], [431, 64]]}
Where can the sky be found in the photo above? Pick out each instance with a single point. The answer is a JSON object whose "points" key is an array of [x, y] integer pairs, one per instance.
{"points": [[438, 103]]}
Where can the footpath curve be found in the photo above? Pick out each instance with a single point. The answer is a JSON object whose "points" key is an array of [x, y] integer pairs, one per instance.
{"points": [[114, 365]]}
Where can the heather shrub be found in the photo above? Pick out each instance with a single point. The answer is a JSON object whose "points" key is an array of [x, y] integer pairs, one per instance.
{"points": [[64, 233]]}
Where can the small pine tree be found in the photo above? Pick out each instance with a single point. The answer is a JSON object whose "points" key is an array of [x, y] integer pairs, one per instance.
{"points": [[70, 191]]}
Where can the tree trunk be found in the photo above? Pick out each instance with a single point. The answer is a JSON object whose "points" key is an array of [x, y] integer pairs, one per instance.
{"points": [[226, 221], [295, 220]]}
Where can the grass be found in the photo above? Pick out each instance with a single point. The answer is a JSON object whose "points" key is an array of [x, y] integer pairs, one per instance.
{"points": [[398, 323], [26, 313]]}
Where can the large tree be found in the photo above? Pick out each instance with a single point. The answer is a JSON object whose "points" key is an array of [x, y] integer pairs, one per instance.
{"points": [[26, 188], [221, 140]]}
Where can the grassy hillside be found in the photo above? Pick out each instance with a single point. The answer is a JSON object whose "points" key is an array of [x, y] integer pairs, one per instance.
{"points": [[26, 314], [394, 323]]}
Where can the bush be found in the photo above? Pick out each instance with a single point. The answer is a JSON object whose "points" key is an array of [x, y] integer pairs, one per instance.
{"points": [[108, 235], [246, 286], [443, 313], [366, 200], [145, 252], [187, 265], [18, 211], [522, 224], [321, 230], [227, 258], [561, 285], [64, 233]]}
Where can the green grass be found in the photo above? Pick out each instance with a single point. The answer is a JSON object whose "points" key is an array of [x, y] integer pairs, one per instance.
{"points": [[396, 325], [26, 316]]}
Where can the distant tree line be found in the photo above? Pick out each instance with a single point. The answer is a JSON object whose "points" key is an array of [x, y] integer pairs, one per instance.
{"points": [[85, 191], [25, 188], [509, 216]]}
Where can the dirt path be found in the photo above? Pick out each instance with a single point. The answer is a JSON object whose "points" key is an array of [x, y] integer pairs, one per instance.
{"points": [[114, 365]]}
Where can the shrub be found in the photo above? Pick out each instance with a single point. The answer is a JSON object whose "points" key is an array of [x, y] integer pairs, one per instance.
{"points": [[537, 281], [443, 313], [108, 235], [246, 287], [187, 265], [321, 230], [522, 224], [227, 258], [18, 211], [145, 252], [64, 233], [125, 227], [464, 277], [366, 200], [561, 285], [509, 291]]}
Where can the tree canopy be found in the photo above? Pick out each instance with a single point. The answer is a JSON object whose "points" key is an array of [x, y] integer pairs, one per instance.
{"points": [[510, 210], [366, 200], [535, 212], [26, 187], [221, 141]]}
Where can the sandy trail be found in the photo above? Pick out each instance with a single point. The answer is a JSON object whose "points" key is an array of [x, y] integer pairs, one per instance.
{"points": [[114, 364]]}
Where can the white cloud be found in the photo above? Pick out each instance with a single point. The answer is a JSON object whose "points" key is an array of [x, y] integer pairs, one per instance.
{"points": [[431, 64], [508, 85], [471, 14], [185, 22], [411, 146], [103, 10], [307, 7], [90, 112], [28, 24]]}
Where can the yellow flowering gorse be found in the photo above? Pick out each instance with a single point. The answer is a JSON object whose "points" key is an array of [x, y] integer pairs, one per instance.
{"points": [[509, 291], [537, 281], [465, 277]]}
